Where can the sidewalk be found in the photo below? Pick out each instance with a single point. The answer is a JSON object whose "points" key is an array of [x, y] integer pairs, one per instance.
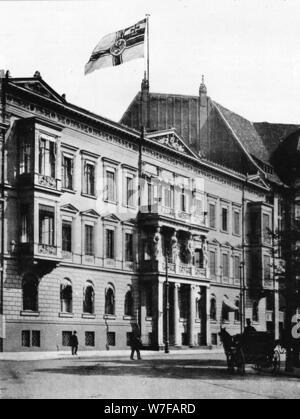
{"points": [[38, 356]]}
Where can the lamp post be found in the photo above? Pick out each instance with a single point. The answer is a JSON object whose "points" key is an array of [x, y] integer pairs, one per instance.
{"points": [[167, 339]]}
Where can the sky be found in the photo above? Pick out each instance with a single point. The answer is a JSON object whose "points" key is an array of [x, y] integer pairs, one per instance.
{"points": [[248, 50]]}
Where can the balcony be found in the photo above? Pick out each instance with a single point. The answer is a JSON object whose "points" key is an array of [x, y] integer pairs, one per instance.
{"points": [[158, 210], [180, 269], [47, 250], [46, 181]]}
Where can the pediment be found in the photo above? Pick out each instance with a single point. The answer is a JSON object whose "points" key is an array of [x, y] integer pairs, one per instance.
{"points": [[39, 87], [69, 208], [172, 140], [112, 218], [90, 213]]}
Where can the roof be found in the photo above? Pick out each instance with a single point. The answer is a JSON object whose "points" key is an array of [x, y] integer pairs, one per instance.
{"points": [[273, 134]]}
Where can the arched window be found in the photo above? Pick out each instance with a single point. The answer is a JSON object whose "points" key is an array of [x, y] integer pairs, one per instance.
{"points": [[88, 298], [237, 314], [110, 300], [200, 306], [30, 286], [66, 296], [255, 316], [128, 305], [213, 308], [225, 311]]}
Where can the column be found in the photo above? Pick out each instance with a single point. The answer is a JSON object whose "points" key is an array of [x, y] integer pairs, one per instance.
{"points": [[208, 331], [192, 316], [276, 314], [177, 340], [158, 301]]}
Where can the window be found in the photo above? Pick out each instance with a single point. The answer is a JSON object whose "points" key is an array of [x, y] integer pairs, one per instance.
{"points": [[212, 263], [110, 244], [266, 228], [214, 339], [111, 338], [149, 302], [111, 193], [26, 338], [198, 258], [130, 191], [255, 316], [237, 263], [67, 172], [30, 293], [36, 339], [169, 196], [236, 223], [237, 316], [150, 193], [129, 247], [67, 236], [47, 157], [128, 306], [224, 221], [225, 312], [200, 307], [90, 339], [183, 302], [88, 298], [25, 231], [110, 301], [66, 296], [89, 179], [89, 240], [46, 225], [183, 200], [25, 159], [225, 265], [212, 215], [267, 268], [213, 308], [66, 338]]}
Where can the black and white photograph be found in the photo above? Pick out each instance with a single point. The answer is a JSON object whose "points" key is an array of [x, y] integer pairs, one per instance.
{"points": [[149, 202]]}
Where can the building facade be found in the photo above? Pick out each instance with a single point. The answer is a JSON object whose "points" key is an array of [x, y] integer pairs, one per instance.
{"points": [[107, 226]]}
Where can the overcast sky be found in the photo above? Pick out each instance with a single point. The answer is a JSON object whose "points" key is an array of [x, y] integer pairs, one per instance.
{"points": [[248, 50]]}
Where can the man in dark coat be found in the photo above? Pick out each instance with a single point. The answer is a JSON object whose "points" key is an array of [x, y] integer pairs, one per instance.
{"points": [[74, 343], [249, 328], [135, 344]]}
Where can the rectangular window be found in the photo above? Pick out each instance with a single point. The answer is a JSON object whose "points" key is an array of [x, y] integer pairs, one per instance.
{"points": [[212, 215], [46, 226], [169, 196], [236, 223], [130, 191], [47, 157], [267, 228], [89, 240], [212, 263], [183, 200], [67, 172], [150, 193], [267, 268], [111, 338], [36, 339], [129, 247], [25, 223], [111, 194], [237, 262], [110, 244], [67, 236], [66, 338], [224, 220], [90, 339], [214, 339], [26, 338], [89, 179], [25, 159], [225, 265]]}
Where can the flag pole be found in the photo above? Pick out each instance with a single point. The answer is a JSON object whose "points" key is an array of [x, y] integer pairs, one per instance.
{"points": [[148, 49]]}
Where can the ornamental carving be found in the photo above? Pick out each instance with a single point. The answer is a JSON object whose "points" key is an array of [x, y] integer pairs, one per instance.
{"points": [[173, 142]]}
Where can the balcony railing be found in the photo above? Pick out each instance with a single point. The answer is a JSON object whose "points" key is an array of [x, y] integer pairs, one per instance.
{"points": [[180, 269]]}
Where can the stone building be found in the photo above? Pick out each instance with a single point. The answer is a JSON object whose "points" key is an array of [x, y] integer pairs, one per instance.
{"points": [[97, 214]]}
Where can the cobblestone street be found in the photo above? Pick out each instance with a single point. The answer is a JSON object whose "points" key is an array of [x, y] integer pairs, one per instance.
{"points": [[161, 376]]}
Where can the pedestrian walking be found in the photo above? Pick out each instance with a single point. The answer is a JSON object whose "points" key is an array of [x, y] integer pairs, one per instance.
{"points": [[74, 343], [135, 345]]}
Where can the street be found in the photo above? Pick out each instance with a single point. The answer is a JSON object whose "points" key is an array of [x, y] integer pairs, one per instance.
{"points": [[158, 377]]}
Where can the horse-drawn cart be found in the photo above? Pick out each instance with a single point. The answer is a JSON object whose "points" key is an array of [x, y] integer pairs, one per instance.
{"points": [[256, 348]]}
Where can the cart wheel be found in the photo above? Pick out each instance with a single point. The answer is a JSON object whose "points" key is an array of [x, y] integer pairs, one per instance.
{"points": [[276, 361], [241, 362]]}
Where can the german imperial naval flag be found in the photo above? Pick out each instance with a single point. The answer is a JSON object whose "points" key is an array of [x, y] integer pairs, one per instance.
{"points": [[118, 47]]}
